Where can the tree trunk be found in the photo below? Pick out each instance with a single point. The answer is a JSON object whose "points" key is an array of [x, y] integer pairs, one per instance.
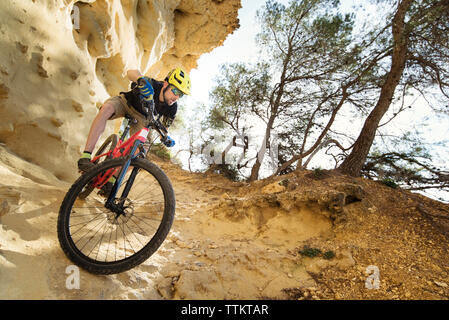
{"points": [[274, 113], [353, 164], [261, 154], [255, 170]]}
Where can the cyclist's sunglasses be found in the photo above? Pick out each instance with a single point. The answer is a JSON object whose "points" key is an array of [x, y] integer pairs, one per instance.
{"points": [[177, 92]]}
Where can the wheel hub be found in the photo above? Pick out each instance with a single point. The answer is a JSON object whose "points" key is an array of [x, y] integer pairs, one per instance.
{"points": [[121, 211]]}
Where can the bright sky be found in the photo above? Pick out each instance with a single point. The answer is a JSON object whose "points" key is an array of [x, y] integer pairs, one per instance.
{"points": [[239, 46]]}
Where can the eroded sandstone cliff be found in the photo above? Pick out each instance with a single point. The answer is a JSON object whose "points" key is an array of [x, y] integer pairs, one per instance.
{"points": [[60, 59]]}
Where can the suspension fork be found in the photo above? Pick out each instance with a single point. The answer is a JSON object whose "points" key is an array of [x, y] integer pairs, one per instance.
{"points": [[110, 201]]}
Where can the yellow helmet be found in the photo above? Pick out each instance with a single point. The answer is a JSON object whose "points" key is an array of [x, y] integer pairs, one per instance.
{"points": [[180, 79]]}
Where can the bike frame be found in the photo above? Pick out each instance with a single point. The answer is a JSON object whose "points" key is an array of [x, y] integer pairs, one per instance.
{"points": [[122, 149], [132, 144], [127, 149]]}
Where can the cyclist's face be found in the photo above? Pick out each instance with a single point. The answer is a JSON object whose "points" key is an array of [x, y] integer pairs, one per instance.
{"points": [[169, 96]]}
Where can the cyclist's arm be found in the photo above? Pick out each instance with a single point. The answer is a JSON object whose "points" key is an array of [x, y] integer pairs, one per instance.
{"points": [[166, 121], [133, 75]]}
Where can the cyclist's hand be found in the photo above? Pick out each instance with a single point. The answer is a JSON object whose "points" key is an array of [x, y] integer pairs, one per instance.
{"points": [[169, 142], [146, 89]]}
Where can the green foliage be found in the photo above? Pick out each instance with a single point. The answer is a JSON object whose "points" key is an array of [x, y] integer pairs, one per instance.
{"points": [[318, 172], [239, 88], [310, 252], [161, 151], [315, 252], [389, 183], [328, 255], [405, 161]]}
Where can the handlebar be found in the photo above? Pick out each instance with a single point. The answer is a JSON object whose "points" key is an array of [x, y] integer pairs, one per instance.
{"points": [[154, 123]]}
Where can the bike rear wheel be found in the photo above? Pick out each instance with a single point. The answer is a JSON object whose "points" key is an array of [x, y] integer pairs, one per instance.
{"points": [[109, 144], [104, 242]]}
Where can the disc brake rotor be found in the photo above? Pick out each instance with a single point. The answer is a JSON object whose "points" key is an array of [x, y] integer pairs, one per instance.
{"points": [[124, 216]]}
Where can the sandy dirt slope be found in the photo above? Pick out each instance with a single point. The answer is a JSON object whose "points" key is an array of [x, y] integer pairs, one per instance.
{"points": [[239, 241]]}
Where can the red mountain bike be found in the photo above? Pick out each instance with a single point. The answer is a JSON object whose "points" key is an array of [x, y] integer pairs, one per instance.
{"points": [[114, 233]]}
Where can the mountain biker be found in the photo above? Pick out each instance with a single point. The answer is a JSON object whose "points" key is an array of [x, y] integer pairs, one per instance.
{"points": [[164, 94]]}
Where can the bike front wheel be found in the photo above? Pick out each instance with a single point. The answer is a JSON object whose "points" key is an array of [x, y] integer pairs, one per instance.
{"points": [[105, 242]]}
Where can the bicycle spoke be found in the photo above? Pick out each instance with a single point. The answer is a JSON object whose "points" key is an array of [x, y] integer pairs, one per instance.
{"points": [[107, 251], [84, 224], [141, 219], [81, 249], [99, 241], [140, 194], [115, 242], [143, 231], [126, 240], [135, 235], [83, 215]]}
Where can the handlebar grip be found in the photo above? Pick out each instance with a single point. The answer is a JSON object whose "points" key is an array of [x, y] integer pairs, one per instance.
{"points": [[148, 108]]}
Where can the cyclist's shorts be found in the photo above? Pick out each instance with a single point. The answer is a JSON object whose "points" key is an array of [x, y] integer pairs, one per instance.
{"points": [[122, 108]]}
